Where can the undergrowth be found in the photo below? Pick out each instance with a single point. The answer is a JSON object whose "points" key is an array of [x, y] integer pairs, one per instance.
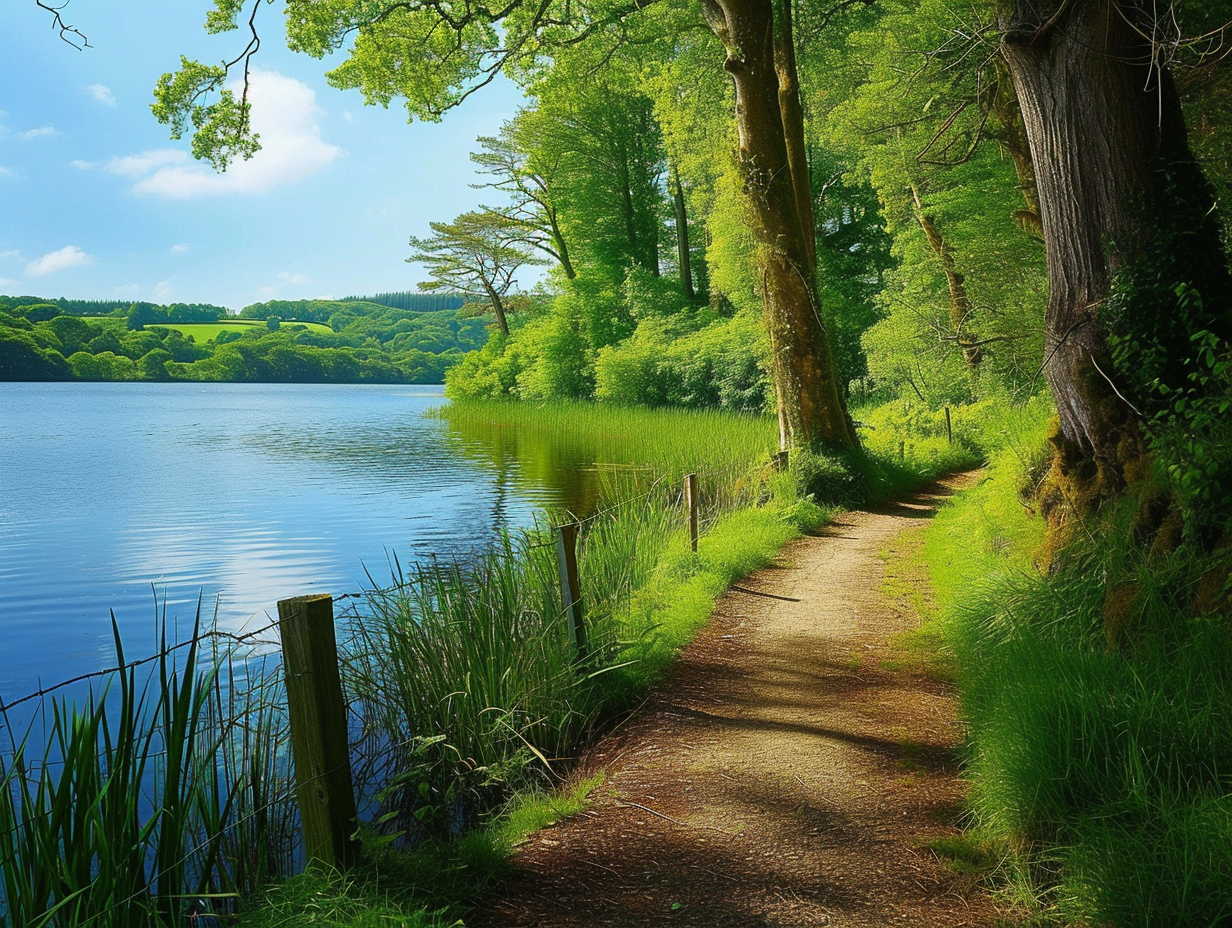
{"points": [[1101, 776]]}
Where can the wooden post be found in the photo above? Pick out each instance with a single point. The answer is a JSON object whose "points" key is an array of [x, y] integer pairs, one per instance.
{"points": [[780, 460], [949, 429], [690, 502], [570, 591], [318, 730]]}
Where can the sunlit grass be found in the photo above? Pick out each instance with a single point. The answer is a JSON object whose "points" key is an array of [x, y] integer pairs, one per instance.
{"points": [[1106, 772], [203, 332]]}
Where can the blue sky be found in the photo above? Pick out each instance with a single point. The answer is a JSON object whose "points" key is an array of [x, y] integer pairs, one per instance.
{"points": [[96, 202]]}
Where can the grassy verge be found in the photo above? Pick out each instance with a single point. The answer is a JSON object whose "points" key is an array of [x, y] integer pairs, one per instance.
{"points": [[1101, 778]]}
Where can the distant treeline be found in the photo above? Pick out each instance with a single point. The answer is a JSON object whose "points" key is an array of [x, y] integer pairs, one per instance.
{"points": [[144, 341], [39, 309], [411, 301]]}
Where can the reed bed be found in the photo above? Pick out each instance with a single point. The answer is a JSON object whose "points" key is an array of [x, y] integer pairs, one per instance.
{"points": [[720, 447], [155, 797]]}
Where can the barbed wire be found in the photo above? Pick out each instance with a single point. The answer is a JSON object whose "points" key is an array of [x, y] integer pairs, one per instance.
{"points": [[123, 668]]}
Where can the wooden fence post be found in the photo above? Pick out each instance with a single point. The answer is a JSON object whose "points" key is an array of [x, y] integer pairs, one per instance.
{"points": [[570, 591], [690, 501], [780, 460], [949, 429], [318, 729]]}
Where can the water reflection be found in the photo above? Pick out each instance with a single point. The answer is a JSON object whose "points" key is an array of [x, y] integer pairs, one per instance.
{"points": [[233, 495]]}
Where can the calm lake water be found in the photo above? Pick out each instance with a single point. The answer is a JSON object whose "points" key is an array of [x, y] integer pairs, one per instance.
{"points": [[234, 495]]}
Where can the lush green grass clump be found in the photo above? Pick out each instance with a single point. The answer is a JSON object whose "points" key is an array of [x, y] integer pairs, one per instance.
{"points": [[425, 889], [1105, 772], [152, 795]]}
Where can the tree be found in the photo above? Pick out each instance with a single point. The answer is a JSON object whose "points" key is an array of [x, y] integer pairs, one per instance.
{"points": [[770, 123], [596, 126], [434, 55], [527, 171], [915, 96], [1132, 241], [475, 255]]}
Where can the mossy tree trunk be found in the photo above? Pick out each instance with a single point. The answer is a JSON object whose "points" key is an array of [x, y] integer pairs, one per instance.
{"points": [[761, 62], [1105, 130]]}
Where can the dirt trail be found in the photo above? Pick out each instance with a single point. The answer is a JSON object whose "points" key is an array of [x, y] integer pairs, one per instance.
{"points": [[783, 776]]}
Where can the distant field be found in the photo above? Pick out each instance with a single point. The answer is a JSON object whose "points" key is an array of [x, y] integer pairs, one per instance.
{"points": [[115, 322], [203, 332]]}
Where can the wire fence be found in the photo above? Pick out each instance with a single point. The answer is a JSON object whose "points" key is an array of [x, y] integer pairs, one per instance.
{"points": [[248, 751]]}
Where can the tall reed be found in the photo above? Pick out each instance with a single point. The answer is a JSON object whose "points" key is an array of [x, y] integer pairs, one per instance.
{"points": [[145, 800]]}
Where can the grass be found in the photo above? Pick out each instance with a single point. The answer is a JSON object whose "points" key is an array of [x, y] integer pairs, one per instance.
{"points": [[1101, 778], [203, 332], [149, 796]]}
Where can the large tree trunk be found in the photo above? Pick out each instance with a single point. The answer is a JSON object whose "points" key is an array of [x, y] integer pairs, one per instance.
{"points": [[811, 410], [1102, 123]]}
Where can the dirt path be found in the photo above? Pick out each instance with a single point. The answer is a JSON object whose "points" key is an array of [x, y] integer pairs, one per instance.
{"points": [[783, 776]]}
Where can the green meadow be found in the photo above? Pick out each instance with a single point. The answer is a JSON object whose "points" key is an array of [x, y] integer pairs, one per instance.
{"points": [[202, 332]]}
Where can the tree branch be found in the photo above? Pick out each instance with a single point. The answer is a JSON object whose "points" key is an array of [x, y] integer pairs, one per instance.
{"points": [[69, 34]]}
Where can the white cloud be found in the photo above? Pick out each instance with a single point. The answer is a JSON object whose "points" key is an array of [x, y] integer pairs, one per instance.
{"points": [[130, 290], [102, 93], [66, 257], [40, 132], [7, 172], [284, 114], [266, 292], [180, 249], [295, 280], [5, 255], [6, 282], [83, 165], [148, 161], [162, 289]]}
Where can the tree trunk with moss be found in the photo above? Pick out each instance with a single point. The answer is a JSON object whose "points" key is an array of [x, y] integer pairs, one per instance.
{"points": [[771, 146], [1106, 131]]}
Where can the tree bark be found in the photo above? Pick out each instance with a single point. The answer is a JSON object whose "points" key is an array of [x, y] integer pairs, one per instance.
{"points": [[498, 309], [683, 252], [960, 301], [562, 247], [1101, 121], [811, 410]]}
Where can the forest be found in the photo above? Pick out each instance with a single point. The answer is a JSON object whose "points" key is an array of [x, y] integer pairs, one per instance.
{"points": [[303, 341], [916, 236]]}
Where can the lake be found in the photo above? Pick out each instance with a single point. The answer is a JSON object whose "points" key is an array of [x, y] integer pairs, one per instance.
{"points": [[234, 495]]}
